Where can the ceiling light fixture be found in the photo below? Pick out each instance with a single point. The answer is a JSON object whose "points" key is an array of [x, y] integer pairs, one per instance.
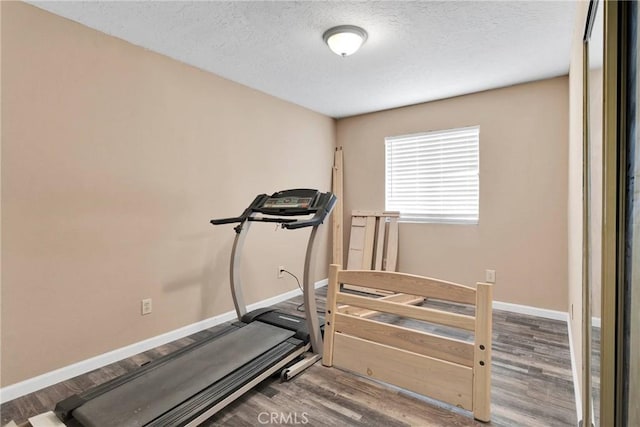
{"points": [[345, 40]]}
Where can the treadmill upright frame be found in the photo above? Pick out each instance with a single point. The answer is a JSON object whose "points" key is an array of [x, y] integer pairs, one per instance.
{"points": [[235, 280]]}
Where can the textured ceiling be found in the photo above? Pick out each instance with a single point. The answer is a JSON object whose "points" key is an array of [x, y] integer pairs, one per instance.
{"points": [[417, 51]]}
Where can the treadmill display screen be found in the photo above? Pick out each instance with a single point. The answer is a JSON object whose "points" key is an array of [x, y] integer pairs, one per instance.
{"points": [[288, 203]]}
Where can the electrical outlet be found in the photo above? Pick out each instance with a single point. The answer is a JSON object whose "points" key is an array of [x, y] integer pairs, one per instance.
{"points": [[146, 306], [490, 276], [280, 271]]}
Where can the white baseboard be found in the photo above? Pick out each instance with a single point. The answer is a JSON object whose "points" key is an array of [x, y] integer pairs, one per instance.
{"points": [[532, 311], [53, 377]]}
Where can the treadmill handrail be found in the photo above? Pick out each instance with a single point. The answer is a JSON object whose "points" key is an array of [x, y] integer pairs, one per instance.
{"points": [[282, 221], [231, 220], [258, 201]]}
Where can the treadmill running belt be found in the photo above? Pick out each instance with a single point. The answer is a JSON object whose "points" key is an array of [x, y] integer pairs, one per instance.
{"points": [[139, 401]]}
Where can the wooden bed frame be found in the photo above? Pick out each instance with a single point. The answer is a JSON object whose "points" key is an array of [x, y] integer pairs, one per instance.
{"points": [[447, 369]]}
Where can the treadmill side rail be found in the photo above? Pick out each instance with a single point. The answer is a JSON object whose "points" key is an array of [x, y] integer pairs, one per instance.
{"points": [[307, 361]]}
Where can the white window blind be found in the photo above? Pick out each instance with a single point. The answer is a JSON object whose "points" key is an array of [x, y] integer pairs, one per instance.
{"points": [[433, 177]]}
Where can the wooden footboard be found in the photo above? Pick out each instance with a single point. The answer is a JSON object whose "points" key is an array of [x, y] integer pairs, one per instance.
{"points": [[447, 369]]}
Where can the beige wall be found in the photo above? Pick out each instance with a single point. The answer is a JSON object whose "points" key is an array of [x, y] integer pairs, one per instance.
{"points": [[574, 211], [522, 232], [113, 161]]}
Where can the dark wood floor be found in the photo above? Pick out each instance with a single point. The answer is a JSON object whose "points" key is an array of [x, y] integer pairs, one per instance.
{"points": [[531, 386]]}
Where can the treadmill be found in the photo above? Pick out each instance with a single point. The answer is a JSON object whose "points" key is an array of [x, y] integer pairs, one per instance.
{"points": [[188, 386]]}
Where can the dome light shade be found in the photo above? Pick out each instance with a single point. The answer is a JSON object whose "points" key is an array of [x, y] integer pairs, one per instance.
{"points": [[345, 40]]}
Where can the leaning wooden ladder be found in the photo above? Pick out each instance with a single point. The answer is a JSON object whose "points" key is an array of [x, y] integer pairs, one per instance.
{"points": [[444, 368]]}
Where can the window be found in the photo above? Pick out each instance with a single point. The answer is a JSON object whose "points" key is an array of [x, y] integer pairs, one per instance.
{"points": [[433, 176]]}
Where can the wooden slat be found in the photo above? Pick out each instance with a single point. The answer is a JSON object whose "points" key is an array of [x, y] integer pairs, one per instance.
{"points": [[482, 353], [419, 313], [409, 284], [359, 221], [424, 343], [327, 352], [363, 312], [356, 243], [338, 212], [442, 380], [380, 239], [369, 235], [392, 246], [369, 290]]}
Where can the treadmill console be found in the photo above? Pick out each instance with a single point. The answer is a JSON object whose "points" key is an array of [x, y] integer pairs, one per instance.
{"points": [[278, 207], [287, 203], [290, 202]]}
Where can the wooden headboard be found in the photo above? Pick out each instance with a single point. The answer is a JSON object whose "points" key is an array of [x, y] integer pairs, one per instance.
{"points": [[447, 369]]}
